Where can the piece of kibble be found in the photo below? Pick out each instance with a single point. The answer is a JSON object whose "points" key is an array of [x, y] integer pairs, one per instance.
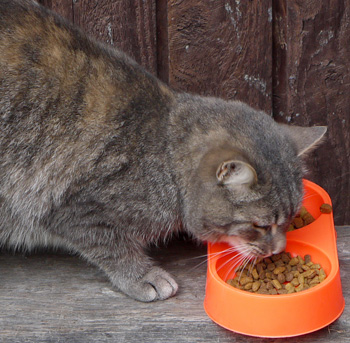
{"points": [[276, 257], [260, 267], [294, 261], [295, 282], [326, 208], [289, 277], [304, 217], [279, 263], [279, 270], [255, 274], [245, 279], [308, 219], [281, 278], [315, 280], [276, 284], [268, 275], [262, 275], [267, 260], [248, 286], [309, 273], [307, 259], [298, 222], [256, 285], [322, 275], [289, 287], [291, 228], [299, 288], [270, 267], [232, 282], [301, 260], [279, 274], [285, 258]]}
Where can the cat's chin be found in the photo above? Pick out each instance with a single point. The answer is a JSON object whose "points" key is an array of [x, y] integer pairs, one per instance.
{"points": [[234, 241]]}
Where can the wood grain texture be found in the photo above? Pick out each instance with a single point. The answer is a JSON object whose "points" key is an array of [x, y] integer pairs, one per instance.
{"points": [[128, 25], [222, 48], [62, 7], [54, 297], [162, 41], [312, 86]]}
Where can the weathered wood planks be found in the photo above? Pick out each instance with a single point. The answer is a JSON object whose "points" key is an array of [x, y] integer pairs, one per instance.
{"points": [[222, 48], [59, 298], [312, 86]]}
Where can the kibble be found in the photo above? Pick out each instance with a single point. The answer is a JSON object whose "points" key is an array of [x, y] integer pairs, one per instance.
{"points": [[281, 278], [279, 274], [305, 217], [326, 208], [256, 285]]}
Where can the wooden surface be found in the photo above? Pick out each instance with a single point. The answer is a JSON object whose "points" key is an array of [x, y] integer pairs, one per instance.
{"points": [[312, 86], [55, 297], [214, 49]]}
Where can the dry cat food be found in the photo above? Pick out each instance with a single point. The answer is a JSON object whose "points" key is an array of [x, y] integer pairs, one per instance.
{"points": [[305, 218], [326, 208], [279, 274]]}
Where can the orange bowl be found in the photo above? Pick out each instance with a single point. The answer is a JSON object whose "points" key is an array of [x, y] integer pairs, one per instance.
{"points": [[281, 315]]}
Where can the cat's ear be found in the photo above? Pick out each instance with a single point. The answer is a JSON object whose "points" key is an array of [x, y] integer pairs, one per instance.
{"points": [[236, 173], [305, 138]]}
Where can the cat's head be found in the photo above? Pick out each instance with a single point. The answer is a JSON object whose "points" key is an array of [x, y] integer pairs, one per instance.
{"points": [[246, 186]]}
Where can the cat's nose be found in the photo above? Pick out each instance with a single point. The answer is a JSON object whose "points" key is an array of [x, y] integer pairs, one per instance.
{"points": [[279, 247], [274, 228]]}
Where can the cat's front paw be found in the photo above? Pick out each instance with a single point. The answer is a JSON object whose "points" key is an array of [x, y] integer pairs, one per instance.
{"points": [[157, 284]]}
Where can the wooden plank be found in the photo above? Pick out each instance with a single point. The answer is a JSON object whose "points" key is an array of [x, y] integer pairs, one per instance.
{"points": [[55, 297], [222, 48], [128, 26], [162, 41], [62, 7], [312, 86]]}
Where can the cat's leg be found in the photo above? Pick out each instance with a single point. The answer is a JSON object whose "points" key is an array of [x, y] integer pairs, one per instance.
{"points": [[126, 264]]}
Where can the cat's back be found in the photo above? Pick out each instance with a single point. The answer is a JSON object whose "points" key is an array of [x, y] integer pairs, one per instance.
{"points": [[69, 105], [41, 48], [50, 65], [37, 41]]}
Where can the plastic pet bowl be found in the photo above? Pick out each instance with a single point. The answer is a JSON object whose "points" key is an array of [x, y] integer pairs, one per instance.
{"points": [[281, 315]]}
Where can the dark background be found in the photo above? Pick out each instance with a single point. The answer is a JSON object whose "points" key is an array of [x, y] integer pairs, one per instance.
{"points": [[289, 58]]}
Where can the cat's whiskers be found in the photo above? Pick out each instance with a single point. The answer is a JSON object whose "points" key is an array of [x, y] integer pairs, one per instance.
{"points": [[231, 250], [308, 195], [241, 259], [223, 253], [252, 264]]}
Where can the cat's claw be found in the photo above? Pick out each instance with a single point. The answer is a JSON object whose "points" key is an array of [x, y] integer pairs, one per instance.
{"points": [[157, 284]]}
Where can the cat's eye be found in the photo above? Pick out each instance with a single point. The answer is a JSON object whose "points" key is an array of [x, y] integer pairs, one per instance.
{"points": [[262, 227]]}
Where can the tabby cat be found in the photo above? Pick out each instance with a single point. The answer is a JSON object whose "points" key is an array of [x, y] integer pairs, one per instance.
{"points": [[100, 157]]}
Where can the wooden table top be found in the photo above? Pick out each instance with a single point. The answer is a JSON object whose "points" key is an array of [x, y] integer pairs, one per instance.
{"points": [[57, 297]]}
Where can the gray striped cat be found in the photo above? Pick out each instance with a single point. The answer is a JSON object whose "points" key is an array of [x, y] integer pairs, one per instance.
{"points": [[100, 157]]}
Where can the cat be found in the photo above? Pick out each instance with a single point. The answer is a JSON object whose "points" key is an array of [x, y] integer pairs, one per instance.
{"points": [[100, 157]]}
